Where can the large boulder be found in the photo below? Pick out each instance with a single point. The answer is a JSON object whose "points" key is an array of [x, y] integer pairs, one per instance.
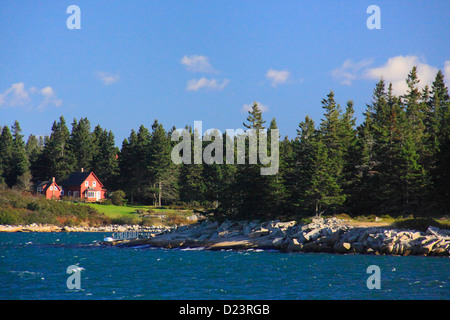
{"points": [[294, 245], [358, 246], [312, 235], [342, 247], [258, 233]]}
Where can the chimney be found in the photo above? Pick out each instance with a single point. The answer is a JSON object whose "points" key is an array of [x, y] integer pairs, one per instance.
{"points": [[82, 169], [53, 179]]}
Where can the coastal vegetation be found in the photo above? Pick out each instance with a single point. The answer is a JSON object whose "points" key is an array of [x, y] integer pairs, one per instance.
{"points": [[23, 208], [394, 163]]}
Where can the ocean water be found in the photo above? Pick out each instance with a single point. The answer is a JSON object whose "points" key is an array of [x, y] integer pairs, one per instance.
{"points": [[34, 266]]}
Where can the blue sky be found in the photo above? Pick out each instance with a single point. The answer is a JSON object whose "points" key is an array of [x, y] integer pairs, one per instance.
{"points": [[180, 61]]}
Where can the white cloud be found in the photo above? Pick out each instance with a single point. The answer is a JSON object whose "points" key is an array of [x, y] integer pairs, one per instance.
{"points": [[50, 98], [19, 95], [350, 71], [196, 63], [396, 70], [107, 78], [277, 76], [16, 95], [248, 107], [196, 84]]}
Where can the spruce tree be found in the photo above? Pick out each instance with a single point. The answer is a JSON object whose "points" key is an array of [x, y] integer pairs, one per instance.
{"points": [[250, 189], [81, 144], [6, 156], [19, 162], [56, 159], [440, 144], [161, 170], [104, 161], [126, 165]]}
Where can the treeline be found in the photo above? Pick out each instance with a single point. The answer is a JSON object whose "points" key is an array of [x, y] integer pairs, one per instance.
{"points": [[395, 162]]}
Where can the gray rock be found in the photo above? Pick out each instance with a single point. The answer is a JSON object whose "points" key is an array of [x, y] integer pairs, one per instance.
{"points": [[276, 233], [277, 242], [434, 231], [258, 233], [312, 235], [342, 247], [294, 245], [192, 218], [358, 246]]}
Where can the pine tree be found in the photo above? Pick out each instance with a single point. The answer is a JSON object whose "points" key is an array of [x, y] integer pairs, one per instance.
{"points": [[33, 148], [287, 176], [162, 172], [275, 182], [413, 147], [56, 159], [81, 144], [6, 156], [213, 173], [303, 168], [330, 131], [127, 177], [349, 177], [439, 143], [104, 160], [324, 193], [140, 169], [250, 198], [334, 131], [19, 165], [415, 111]]}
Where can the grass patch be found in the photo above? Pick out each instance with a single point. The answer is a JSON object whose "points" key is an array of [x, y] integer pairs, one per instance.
{"points": [[113, 211], [420, 224], [143, 215]]}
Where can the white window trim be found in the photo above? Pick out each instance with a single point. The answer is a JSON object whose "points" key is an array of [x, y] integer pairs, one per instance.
{"points": [[94, 183], [86, 183]]}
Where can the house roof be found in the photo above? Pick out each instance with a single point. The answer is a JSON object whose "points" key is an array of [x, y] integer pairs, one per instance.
{"points": [[45, 185], [77, 178], [41, 184]]}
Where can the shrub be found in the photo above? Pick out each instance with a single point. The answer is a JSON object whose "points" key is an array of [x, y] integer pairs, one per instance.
{"points": [[150, 221], [125, 220], [23, 208], [419, 224], [343, 216], [118, 198]]}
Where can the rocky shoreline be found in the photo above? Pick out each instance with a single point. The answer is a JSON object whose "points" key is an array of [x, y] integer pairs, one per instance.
{"points": [[109, 228], [321, 235]]}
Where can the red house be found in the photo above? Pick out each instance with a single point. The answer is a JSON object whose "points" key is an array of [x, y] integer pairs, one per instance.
{"points": [[49, 189], [84, 185]]}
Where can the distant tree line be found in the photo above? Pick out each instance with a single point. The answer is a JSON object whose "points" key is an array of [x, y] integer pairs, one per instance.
{"points": [[395, 162]]}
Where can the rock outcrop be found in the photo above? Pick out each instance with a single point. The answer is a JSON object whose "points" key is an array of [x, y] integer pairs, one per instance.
{"points": [[321, 235]]}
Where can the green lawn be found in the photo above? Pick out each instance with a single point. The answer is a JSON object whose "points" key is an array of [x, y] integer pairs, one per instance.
{"points": [[113, 211], [128, 214]]}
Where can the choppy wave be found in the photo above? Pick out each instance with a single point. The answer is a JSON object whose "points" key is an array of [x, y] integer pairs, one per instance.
{"points": [[33, 266]]}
